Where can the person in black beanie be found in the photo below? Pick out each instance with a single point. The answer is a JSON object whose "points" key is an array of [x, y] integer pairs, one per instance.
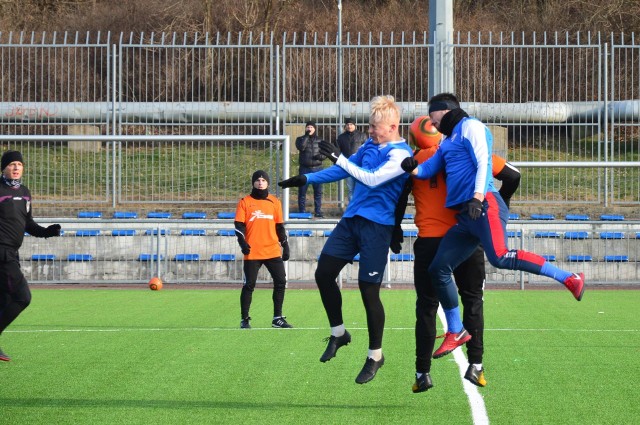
{"points": [[15, 219], [310, 161], [349, 142], [259, 225]]}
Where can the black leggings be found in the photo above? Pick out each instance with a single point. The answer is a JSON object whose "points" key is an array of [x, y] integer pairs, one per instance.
{"points": [[15, 295]]}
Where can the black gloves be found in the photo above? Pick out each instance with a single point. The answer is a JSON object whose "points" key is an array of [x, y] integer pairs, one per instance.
{"points": [[285, 251], [295, 181], [396, 240], [474, 208], [53, 230], [308, 132], [329, 150], [244, 246], [409, 164]]}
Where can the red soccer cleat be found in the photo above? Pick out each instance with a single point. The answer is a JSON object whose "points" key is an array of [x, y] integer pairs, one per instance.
{"points": [[575, 284], [451, 342], [4, 357]]}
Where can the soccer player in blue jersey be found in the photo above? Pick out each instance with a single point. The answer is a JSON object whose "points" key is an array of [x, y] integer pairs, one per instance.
{"points": [[366, 227], [465, 156]]}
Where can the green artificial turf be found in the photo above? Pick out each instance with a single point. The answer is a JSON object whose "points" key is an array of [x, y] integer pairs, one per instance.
{"points": [[177, 356]]}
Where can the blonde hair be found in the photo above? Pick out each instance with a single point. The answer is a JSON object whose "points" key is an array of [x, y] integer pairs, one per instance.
{"points": [[384, 109]]}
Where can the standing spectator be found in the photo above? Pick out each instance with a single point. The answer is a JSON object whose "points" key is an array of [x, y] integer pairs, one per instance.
{"points": [[465, 156], [260, 230], [433, 220], [349, 142], [310, 162], [15, 219], [366, 226]]}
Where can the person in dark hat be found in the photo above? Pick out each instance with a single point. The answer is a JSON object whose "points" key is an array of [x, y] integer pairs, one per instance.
{"points": [[349, 142], [15, 219], [259, 225], [310, 161]]}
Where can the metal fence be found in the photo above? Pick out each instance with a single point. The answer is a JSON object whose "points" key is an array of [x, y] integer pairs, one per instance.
{"points": [[548, 98]]}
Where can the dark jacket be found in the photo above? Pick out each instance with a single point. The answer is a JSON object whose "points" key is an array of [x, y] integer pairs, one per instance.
{"points": [[349, 143], [16, 218], [309, 148]]}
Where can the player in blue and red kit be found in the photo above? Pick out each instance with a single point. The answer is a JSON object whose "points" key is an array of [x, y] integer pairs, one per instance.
{"points": [[366, 227], [465, 156]]}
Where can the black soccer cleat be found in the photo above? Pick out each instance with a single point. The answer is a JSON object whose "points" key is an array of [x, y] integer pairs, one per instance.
{"points": [[369, 370], [475, 376], [279, 322], [422, 383], [244, 323], [335, 342], [4, 357]]}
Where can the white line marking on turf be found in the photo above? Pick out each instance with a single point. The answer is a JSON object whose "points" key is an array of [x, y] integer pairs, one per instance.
{"points": [[476, 402]]}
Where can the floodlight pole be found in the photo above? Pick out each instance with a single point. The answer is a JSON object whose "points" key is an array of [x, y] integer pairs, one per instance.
{"points": [[441, 55]]}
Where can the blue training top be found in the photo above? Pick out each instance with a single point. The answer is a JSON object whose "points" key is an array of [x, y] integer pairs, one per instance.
{"points": [[379, 179]]}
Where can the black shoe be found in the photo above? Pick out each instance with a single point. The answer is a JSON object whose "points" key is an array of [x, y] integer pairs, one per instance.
{"points": [[335, 342], [475, 376], [319, 215], [369, 370], [244, 323], [4, 357], [422, 384], [280, 323]]}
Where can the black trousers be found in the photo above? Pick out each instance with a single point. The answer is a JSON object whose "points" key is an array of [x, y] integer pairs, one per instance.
{"points": [[470, 278], [275, 266], [15, 295], [317, 192]]}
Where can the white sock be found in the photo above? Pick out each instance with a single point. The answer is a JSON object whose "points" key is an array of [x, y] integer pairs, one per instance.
{"points": [[338, 331], [375, 354], [478, 366]]}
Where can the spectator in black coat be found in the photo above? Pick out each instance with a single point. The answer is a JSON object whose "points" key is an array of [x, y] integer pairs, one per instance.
{"points": [[310, 161], [349, 142]]}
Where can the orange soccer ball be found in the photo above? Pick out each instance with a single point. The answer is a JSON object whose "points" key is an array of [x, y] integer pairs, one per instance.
{"points": [[423, 134], [155, 284]]}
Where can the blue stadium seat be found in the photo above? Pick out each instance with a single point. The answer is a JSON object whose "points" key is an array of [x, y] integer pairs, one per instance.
{"points": [[576, 217], [543, 217], [401, 257], [300, 233], [93, 232], [546, 235], [407, 217], [223, 257], [637, 235], [513, 234], [579, 258], [125, 214], [187, 257], [611, 235], [300, 215], [80, 257], [327, 233], [611, 217], [357, 257], [514, 216], [194, 215], [616, 258], [226, 232], [43, 257], [410, 233], [227, 215], [149, 257], [549, 257], [154, 232], [159, 214], [89, 214], [193, 232], [123, 232], [576, 235]]}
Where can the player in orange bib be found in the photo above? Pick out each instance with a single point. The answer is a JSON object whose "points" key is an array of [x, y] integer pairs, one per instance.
{"points": [[259, 226]]}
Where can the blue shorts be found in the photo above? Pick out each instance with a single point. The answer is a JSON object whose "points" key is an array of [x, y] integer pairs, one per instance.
{"points": [[357, 235]]}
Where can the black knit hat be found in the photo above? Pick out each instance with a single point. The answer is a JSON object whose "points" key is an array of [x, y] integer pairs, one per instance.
{"points": [[10, 156], [312, 124], [258, 174], [349, 121]]}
